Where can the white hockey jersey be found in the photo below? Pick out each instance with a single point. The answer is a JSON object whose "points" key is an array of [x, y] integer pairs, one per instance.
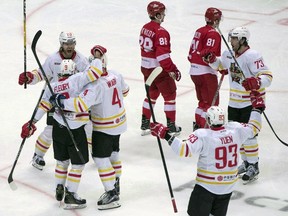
{"points": [[105, 100], [218, 151], [70, 87], [252, 64], [52, 64]]}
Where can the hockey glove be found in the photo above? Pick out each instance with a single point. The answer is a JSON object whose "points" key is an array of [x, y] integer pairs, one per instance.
{"points": [[158, 129], [257, 101], [208, 56], [28, 78], [99, 48], [26, 131], [56, 100], [252, 83], [176, 75]]}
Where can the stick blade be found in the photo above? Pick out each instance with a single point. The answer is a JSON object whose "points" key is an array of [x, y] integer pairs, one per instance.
{"points": [[153, 75], [13, 186], [35, 40]]}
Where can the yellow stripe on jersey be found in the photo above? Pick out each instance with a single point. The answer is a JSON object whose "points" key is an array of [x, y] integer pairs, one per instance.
{"points": [[233, 172], [108, 118], [94, 73], [266, 73], [46, 106], [217, 182], [108, 127], [78, 103]]}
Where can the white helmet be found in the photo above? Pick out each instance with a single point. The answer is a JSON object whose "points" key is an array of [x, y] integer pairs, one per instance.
{"points": [[68, 68], [215, 116], [67, 37], [239, 32]]}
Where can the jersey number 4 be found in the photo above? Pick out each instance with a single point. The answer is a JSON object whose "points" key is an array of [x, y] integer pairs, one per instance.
{"points": [[115, 98], [226, 156]]}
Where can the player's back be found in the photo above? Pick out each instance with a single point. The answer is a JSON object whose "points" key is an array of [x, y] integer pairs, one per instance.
{"points": [[218, 158], [109, 114]]}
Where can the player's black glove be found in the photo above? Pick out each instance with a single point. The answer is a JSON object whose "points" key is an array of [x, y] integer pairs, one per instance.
{"points": [[56, 100]]}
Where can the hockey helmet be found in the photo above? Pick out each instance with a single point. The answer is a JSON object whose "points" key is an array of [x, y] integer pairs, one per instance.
{"points": [[68, 68], [215, 116], [155, 7], [67, 37], [213, 14], [239, 32]]}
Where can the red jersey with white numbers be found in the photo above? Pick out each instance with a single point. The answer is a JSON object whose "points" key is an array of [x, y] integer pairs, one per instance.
{"points": [[205, 37], [155, 45]]}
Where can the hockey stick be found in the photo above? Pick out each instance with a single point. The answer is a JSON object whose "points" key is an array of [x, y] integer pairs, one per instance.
{"points": [[231, 53], [24, 32], [148, 83], [33, 47], [10, 177], [216, 94]]}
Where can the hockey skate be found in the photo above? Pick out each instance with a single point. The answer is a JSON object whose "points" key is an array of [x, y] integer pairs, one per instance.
{"points": [[242, 168], [73, 201], [145, 126], [38, 162], [109, 200], [117, 186], [173, 128], [59, 192], [251, 174]]}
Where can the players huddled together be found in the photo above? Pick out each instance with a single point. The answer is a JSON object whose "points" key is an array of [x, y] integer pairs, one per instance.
{"points": [[85, 107]]}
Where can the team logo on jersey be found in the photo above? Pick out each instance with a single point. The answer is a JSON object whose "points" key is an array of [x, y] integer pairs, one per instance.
{"points": [[236, 73]]}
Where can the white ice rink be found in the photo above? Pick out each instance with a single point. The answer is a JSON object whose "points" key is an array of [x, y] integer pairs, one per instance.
{"points": [[116, 24]]}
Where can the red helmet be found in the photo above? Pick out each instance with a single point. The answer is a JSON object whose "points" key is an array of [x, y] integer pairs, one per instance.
{"points": [[213, 14], [154, 8]]}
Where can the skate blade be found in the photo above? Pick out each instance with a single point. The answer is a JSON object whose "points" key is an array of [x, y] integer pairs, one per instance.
{"points": [[175, 133], [111, 205], [240, 175], [37, 166], [145, 132], [74, 206], [251, 180]]}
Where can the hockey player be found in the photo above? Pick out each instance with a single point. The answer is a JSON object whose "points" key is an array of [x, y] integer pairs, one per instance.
{"points": [[97, 52], [206, 39], [218, 149], [154, 42], [104, 98], [63, 145], [249, 73], [52, 69]]}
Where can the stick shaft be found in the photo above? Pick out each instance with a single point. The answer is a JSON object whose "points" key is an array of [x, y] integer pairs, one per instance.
{"points": [[147, 85], [24, 36], [10, 177]]}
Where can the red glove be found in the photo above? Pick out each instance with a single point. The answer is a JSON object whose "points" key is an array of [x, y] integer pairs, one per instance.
{"points": [[101, 49], [257, 101], [223, 72], [208, 56], [251, 83], [26, 131], [158, 129], [176, 75], [28, 78]]}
